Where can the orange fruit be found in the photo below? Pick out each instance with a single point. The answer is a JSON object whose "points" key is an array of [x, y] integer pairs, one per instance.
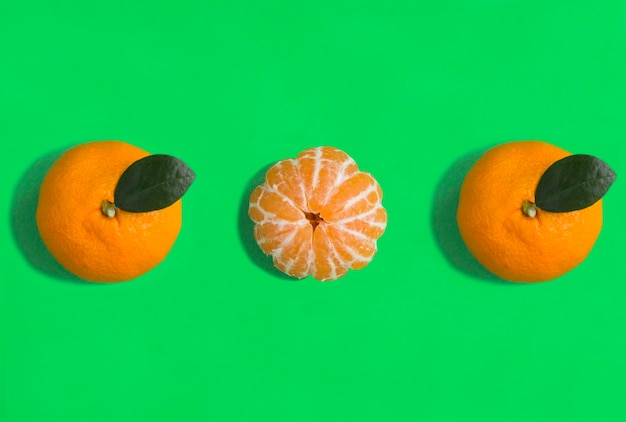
{"points": [[504, 239], [75, 229], [318, 214]]}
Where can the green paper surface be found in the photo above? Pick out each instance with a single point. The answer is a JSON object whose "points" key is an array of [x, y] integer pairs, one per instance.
{"points": [[414, 91]]}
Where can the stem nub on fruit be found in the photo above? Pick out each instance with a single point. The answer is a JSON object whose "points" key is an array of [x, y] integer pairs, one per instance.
{"points": [[108, 208], [529, 209], [314, 218]]}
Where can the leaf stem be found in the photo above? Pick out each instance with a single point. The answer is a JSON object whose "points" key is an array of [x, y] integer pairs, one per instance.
{"points": [[529, 209]]}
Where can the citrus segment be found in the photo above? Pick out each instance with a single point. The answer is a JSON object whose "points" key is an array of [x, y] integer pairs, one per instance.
{"points": [[318, 214], [327, 264], [343, 203], [284, 178], [323, 170]]}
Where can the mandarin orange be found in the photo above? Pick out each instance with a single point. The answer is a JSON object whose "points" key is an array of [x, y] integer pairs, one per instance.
{"points": [[94, 242], [318, 214], [509, 236]]}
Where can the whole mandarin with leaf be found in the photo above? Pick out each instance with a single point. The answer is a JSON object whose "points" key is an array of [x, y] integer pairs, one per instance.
{"points": [[109, 211], [318, 214], [530, 211]]}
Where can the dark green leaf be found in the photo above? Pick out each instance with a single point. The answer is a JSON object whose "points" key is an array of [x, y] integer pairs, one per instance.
{"points": [[152, 183], [573, 183]]}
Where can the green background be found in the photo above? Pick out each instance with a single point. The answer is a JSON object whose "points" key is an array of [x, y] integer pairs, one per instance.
{"points": [[413, 91]]}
